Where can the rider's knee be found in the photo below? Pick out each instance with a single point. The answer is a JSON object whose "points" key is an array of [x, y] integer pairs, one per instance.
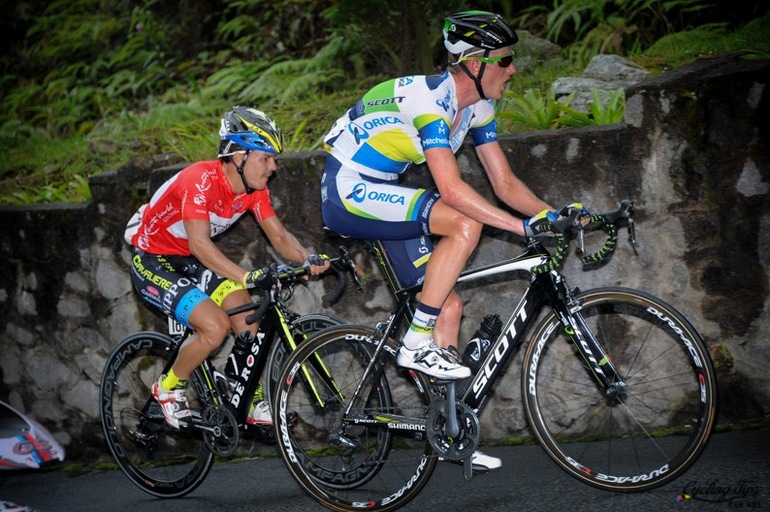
{"points": [[213, 330], [467, 230]]}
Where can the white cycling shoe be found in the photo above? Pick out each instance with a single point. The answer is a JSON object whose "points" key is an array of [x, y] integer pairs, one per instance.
{"points": [[480, 460], [260, 415], [483, 462], [432, 360]]}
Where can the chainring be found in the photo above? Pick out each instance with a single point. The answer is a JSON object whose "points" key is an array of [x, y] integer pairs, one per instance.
{"points": [[220, 430], [461, 446]]}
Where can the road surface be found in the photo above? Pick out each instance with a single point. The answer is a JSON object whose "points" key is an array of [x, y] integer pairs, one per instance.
{"points": [[732, 474]]}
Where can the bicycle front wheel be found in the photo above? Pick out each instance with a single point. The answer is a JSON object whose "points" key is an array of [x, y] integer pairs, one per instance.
{"points": [[653, 425], [302, 327], [349, 445], [160, 460]]}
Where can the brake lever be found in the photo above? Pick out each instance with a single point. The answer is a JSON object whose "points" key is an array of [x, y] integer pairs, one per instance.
{"points": [[632, 235], [350, 266], [276, 280], [581, 246]]}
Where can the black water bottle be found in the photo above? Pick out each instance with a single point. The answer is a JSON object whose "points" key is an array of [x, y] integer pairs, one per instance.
{"points": [[237, 360], [478, 346]]}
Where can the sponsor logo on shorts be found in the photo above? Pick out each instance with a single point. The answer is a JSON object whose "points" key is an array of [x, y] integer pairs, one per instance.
{"points": [[359, 194]]}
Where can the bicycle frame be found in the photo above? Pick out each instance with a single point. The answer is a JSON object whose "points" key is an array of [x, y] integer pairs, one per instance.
{"points": [[273, 319], [544, 289], [628, 424], [274, 322]]}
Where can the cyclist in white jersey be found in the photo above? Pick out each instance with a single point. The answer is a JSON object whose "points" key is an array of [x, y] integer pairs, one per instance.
{"points": [[424, 119]]}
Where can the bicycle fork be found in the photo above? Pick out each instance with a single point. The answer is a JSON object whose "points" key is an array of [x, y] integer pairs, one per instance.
{"points": [[595, 356]]}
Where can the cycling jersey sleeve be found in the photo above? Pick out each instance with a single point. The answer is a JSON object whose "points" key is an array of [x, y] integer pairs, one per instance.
{"points": [[484, 126], [435, 134]]}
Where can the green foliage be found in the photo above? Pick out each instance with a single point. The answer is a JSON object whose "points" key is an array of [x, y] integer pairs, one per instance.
{"points": [[291, 80], [236, 76], [305, 123], [682, 47], [611, 111], [590, 27], [399, 37], [87, 85], [273, 30], [543, 111]]}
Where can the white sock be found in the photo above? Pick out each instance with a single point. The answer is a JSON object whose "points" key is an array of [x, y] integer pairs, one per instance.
{"points": [[421, 328]]}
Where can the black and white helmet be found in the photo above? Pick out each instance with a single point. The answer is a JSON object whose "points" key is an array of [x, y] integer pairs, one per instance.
{"points": [[477, 29]]}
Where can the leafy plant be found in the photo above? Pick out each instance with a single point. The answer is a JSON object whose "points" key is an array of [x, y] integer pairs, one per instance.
{"points": [[289, 80], [677, 49], [600, 112], [543, 111], [538, 111], [589, 27], [613, 112]]}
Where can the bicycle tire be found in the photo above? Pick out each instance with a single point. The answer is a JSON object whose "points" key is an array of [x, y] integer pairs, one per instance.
{"points": [[653, 431], [343, 465], [302, 328], [160, 460]]}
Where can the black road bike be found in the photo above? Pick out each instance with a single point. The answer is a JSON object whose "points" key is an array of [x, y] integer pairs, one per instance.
{"points": [[617, 386], [169, 463]]}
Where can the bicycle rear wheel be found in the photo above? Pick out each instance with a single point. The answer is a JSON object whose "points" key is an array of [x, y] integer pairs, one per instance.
{"points": [[655, 427], [372, 451], [160, 460]]}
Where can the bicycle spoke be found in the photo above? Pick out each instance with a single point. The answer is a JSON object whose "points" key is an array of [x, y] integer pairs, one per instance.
{"points": [[647, 430], [158, 459], [365, 448]]}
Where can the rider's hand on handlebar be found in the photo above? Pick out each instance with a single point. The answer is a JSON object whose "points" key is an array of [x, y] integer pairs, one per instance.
{"points": [[261, 278], [572, 208], [540, 224], [572, 216], [317, 263]]}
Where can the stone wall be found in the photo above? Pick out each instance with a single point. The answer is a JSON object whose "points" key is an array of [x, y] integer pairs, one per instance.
{"points": [[693, 154]]}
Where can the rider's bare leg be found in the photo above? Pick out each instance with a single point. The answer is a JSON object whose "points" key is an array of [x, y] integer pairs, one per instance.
{"points": [[211, 325], [447, 331], [460, 236], [238, 321]]}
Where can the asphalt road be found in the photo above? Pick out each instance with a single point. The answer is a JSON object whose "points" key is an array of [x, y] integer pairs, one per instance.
{"points": [[732, 474]]}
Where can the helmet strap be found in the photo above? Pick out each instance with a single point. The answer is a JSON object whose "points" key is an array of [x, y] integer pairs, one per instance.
{"points": [[477, 79], [239, 168]]}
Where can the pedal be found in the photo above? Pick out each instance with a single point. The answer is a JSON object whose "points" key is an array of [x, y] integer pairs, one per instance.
{"points": [[264, 434]]}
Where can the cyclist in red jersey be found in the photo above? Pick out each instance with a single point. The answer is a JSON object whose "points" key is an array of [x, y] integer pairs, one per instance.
{"points": [[176, 266]]}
